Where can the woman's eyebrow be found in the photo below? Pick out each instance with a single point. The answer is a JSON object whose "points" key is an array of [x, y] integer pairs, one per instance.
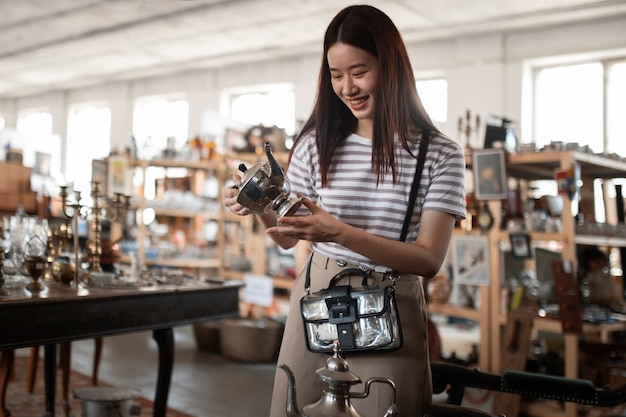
{"points": [[351, 67]]}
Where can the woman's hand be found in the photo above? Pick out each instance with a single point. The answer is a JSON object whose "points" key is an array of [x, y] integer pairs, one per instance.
{"points": [[319, 226], [229, 198]]}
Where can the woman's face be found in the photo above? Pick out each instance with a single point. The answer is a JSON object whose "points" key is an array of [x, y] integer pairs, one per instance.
{"points": [[354, 77]]}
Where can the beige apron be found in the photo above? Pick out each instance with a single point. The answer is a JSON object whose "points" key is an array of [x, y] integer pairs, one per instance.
{"points": [[408, 367]]}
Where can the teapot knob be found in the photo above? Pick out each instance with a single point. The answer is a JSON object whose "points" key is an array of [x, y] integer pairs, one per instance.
{"points": [[243, 167]]}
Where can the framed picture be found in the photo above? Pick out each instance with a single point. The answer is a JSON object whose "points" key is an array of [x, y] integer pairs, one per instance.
{"points": [[470, 260], [489, 174], [118, 175], [99, 168], [42, 164], [520, 245]]}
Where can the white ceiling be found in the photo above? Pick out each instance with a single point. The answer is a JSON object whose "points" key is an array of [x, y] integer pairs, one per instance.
{"points": [[56, 44]]}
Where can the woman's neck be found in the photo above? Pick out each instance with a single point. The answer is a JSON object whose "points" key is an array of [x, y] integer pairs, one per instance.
{"points": [[365, 128]]}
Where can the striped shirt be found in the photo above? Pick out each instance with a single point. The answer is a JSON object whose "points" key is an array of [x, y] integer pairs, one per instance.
{"points": [[353, 196]]}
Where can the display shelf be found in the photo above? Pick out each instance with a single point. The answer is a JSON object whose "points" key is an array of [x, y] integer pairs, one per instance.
{"points": [[184, 263], [237, 237], [189, 220], [605, 241], [191, 214], [451, 311], [527, 167]]}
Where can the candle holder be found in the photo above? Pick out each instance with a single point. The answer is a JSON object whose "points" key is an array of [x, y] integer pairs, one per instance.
{"points": [[57, 238], [465, 127], [114, 211], [74, 210]]}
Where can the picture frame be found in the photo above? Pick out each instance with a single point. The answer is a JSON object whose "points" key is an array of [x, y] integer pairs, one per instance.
{"points": [[43, 163], [489, 168], [520, 245], [470, 260], [119, 178], [99, 168]]}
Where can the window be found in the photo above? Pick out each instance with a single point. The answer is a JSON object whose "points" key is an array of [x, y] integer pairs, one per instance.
{"points": [[155, 120], [581, 103], [270, 105], [434, 96], [88, 138], [35, 123], [615, 107], [2, 122]]}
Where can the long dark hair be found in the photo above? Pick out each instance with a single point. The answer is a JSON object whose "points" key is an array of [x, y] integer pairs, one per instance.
{"points": [[399, 110]]}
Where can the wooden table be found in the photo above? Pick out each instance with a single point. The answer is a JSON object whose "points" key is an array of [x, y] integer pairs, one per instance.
{"points": [[63, 315]]}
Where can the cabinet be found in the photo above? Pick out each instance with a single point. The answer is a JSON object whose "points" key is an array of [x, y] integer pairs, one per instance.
{"points": [[525, 168]]}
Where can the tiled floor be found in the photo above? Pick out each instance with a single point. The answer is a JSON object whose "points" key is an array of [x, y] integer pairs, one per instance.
{"points": [[203, 384]]}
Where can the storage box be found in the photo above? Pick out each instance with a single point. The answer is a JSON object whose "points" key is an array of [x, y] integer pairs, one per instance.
{"points": [[9, 202], [14, 178]]}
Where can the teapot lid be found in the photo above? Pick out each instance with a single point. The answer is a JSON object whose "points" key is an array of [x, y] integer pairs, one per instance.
{"points": [[337, 369]]}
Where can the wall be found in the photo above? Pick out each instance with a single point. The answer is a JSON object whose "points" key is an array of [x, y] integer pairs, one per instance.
{"points": [[485, 73]]}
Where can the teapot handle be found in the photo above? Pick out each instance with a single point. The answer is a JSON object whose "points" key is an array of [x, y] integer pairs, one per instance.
{"points": [[392, 410]]}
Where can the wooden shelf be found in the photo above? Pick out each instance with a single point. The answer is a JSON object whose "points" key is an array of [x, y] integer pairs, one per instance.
{"points": [[542, 166], [192, 263], [159, 211], [213, 164], [448, 310]]}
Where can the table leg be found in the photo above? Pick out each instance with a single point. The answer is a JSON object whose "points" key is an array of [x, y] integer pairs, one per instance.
{"points": [[165, 342], [49, 369], [7, 358]]}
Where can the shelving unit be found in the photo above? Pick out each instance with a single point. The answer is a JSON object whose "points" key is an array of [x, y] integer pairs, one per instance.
{"points": [[240, 246], [181, 219], [542, 165]]}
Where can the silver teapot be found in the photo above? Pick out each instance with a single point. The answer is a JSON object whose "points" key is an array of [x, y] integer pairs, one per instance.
{"points": [[335, 400], [264, 188]]}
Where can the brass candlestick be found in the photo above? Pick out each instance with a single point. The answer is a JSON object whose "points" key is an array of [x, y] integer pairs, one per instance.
{"points": [[115, 210], [57, 238], [465, 127], [74, 210]]}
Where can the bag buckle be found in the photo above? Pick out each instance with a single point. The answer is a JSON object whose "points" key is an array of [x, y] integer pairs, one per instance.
{"points": [[394, 277], [341, 307], [342, 313]]}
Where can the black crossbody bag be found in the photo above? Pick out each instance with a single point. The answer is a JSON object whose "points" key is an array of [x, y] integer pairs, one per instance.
{"points": [[360, 319]]}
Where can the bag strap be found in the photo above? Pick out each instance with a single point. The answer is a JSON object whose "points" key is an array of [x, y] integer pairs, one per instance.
{"points": [[421, 159]]}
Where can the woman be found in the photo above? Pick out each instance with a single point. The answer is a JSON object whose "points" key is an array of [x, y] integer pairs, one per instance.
{"points": [[354, 162]]}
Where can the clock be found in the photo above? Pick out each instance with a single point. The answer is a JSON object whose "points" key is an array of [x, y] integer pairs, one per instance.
{"points": [[485, 218]]}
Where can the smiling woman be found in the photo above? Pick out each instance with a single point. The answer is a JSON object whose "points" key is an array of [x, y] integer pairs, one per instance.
{"points": [[356, 157]]}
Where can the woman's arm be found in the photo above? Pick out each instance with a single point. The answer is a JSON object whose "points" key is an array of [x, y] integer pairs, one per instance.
{"points": [[424, 257], [229, 198]]}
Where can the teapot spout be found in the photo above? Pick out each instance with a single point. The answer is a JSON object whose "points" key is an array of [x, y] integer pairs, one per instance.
{"points": [[292, 404], [277, 175]]}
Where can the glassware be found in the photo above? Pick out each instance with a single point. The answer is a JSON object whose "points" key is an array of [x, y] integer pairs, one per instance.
{"points": [[3, 291], [36, 262]]}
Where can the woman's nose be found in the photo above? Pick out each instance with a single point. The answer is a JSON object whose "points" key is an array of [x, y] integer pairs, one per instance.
{"points": [[348, 87]]}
